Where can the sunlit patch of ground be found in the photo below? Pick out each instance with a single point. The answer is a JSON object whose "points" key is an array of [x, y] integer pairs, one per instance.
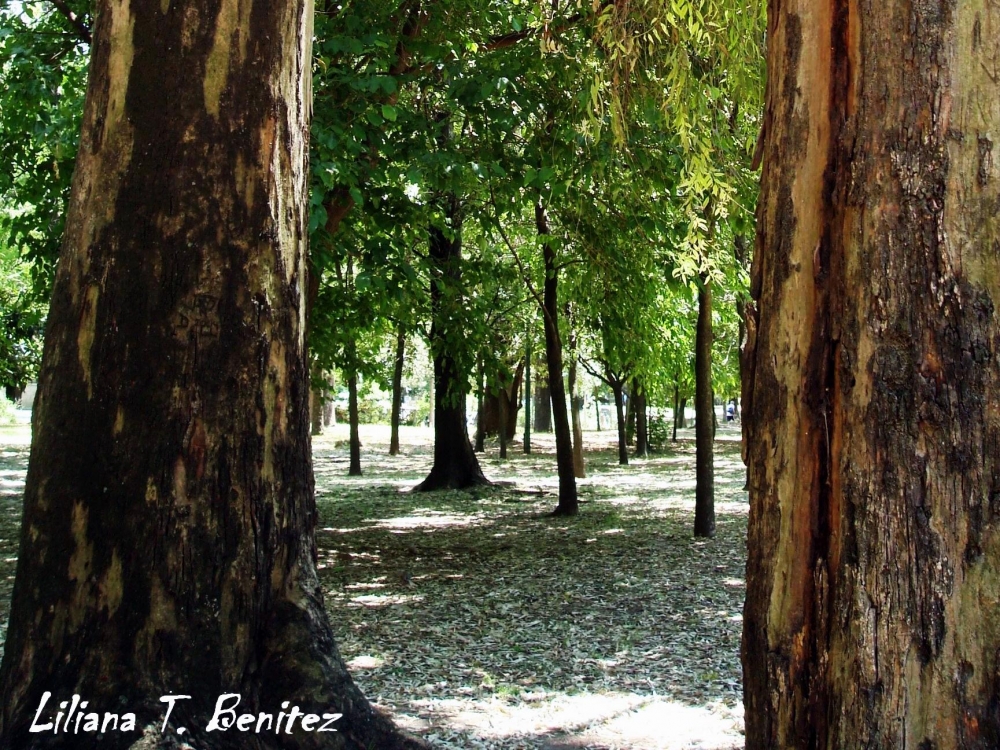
{"points": [[478, 622]]}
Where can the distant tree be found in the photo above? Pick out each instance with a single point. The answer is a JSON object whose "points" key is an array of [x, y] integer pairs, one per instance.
{"points": [[167, 539]]}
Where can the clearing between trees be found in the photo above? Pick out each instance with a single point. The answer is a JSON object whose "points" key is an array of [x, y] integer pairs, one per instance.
{"points": [[478, 622]]}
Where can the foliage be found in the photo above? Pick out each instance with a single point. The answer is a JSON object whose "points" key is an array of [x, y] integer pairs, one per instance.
{"points": [[42, 81]]}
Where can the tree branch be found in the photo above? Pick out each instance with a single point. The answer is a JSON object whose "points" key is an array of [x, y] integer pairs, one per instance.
{"points": [[81, 28]]}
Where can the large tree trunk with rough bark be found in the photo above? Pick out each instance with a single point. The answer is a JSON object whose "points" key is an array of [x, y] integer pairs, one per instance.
{"points": [[397, 391], [455, 464], [167, 540], [873, 382], [568, 502], [704, 424]]}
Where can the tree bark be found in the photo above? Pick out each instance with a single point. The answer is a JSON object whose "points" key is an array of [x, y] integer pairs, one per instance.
{"points": [[568, 502], [167, 543], [704, 425], [397, 391], [353, 417], [682, 417], [455, 464], [872, 386]]}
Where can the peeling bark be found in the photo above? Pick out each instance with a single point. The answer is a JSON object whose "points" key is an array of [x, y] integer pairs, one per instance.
{"points": [[167, 539], [872, 382]]}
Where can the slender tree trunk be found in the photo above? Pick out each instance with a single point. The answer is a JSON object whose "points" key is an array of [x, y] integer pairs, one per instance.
{"points": [[641, 423], [677, 409], [618, 389], [704, 425], [527, 399], [873, 604], [353, 419], [576, 403], [629, 415], [502, 432], [397, 391], [455, 463], [167, 544], [682, 422], [568, 502], [597, 411], [480, 407]]}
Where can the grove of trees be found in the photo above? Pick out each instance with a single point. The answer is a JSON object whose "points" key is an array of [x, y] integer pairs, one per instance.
{"points": [[546, 198]]}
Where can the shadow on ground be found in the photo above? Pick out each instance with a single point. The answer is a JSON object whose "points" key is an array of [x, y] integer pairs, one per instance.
{"points": [[478, 622]]}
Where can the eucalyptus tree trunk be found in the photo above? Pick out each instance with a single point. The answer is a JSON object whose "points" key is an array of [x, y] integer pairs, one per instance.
{"points": [[873, 419], [167, 544], [568, 502], [455, 464], [397, 391], [704, 425]]}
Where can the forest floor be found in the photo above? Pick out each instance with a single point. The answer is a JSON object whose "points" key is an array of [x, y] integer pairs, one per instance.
{"points": [[478, 622]]}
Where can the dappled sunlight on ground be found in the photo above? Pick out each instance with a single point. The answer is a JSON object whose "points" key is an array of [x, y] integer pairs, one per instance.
{"points": [[479, 622]]}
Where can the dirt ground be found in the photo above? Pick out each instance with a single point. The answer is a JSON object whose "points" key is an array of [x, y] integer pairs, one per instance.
{"points": [[478, 622]]}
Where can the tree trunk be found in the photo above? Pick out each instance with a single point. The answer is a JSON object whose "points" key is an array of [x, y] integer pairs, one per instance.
{"points": [[167, 542], [677, 408], [506, 398], [543, 408], [527, 400], [704, 425], [502, 431], [873, 604], [480, 446], [576, 404], [353, 418], [316, 411], [597, 411], [568, 502], [617, 388], [682, 419], [629, 415], [641, 423], [397, 391], [455, 464]]}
